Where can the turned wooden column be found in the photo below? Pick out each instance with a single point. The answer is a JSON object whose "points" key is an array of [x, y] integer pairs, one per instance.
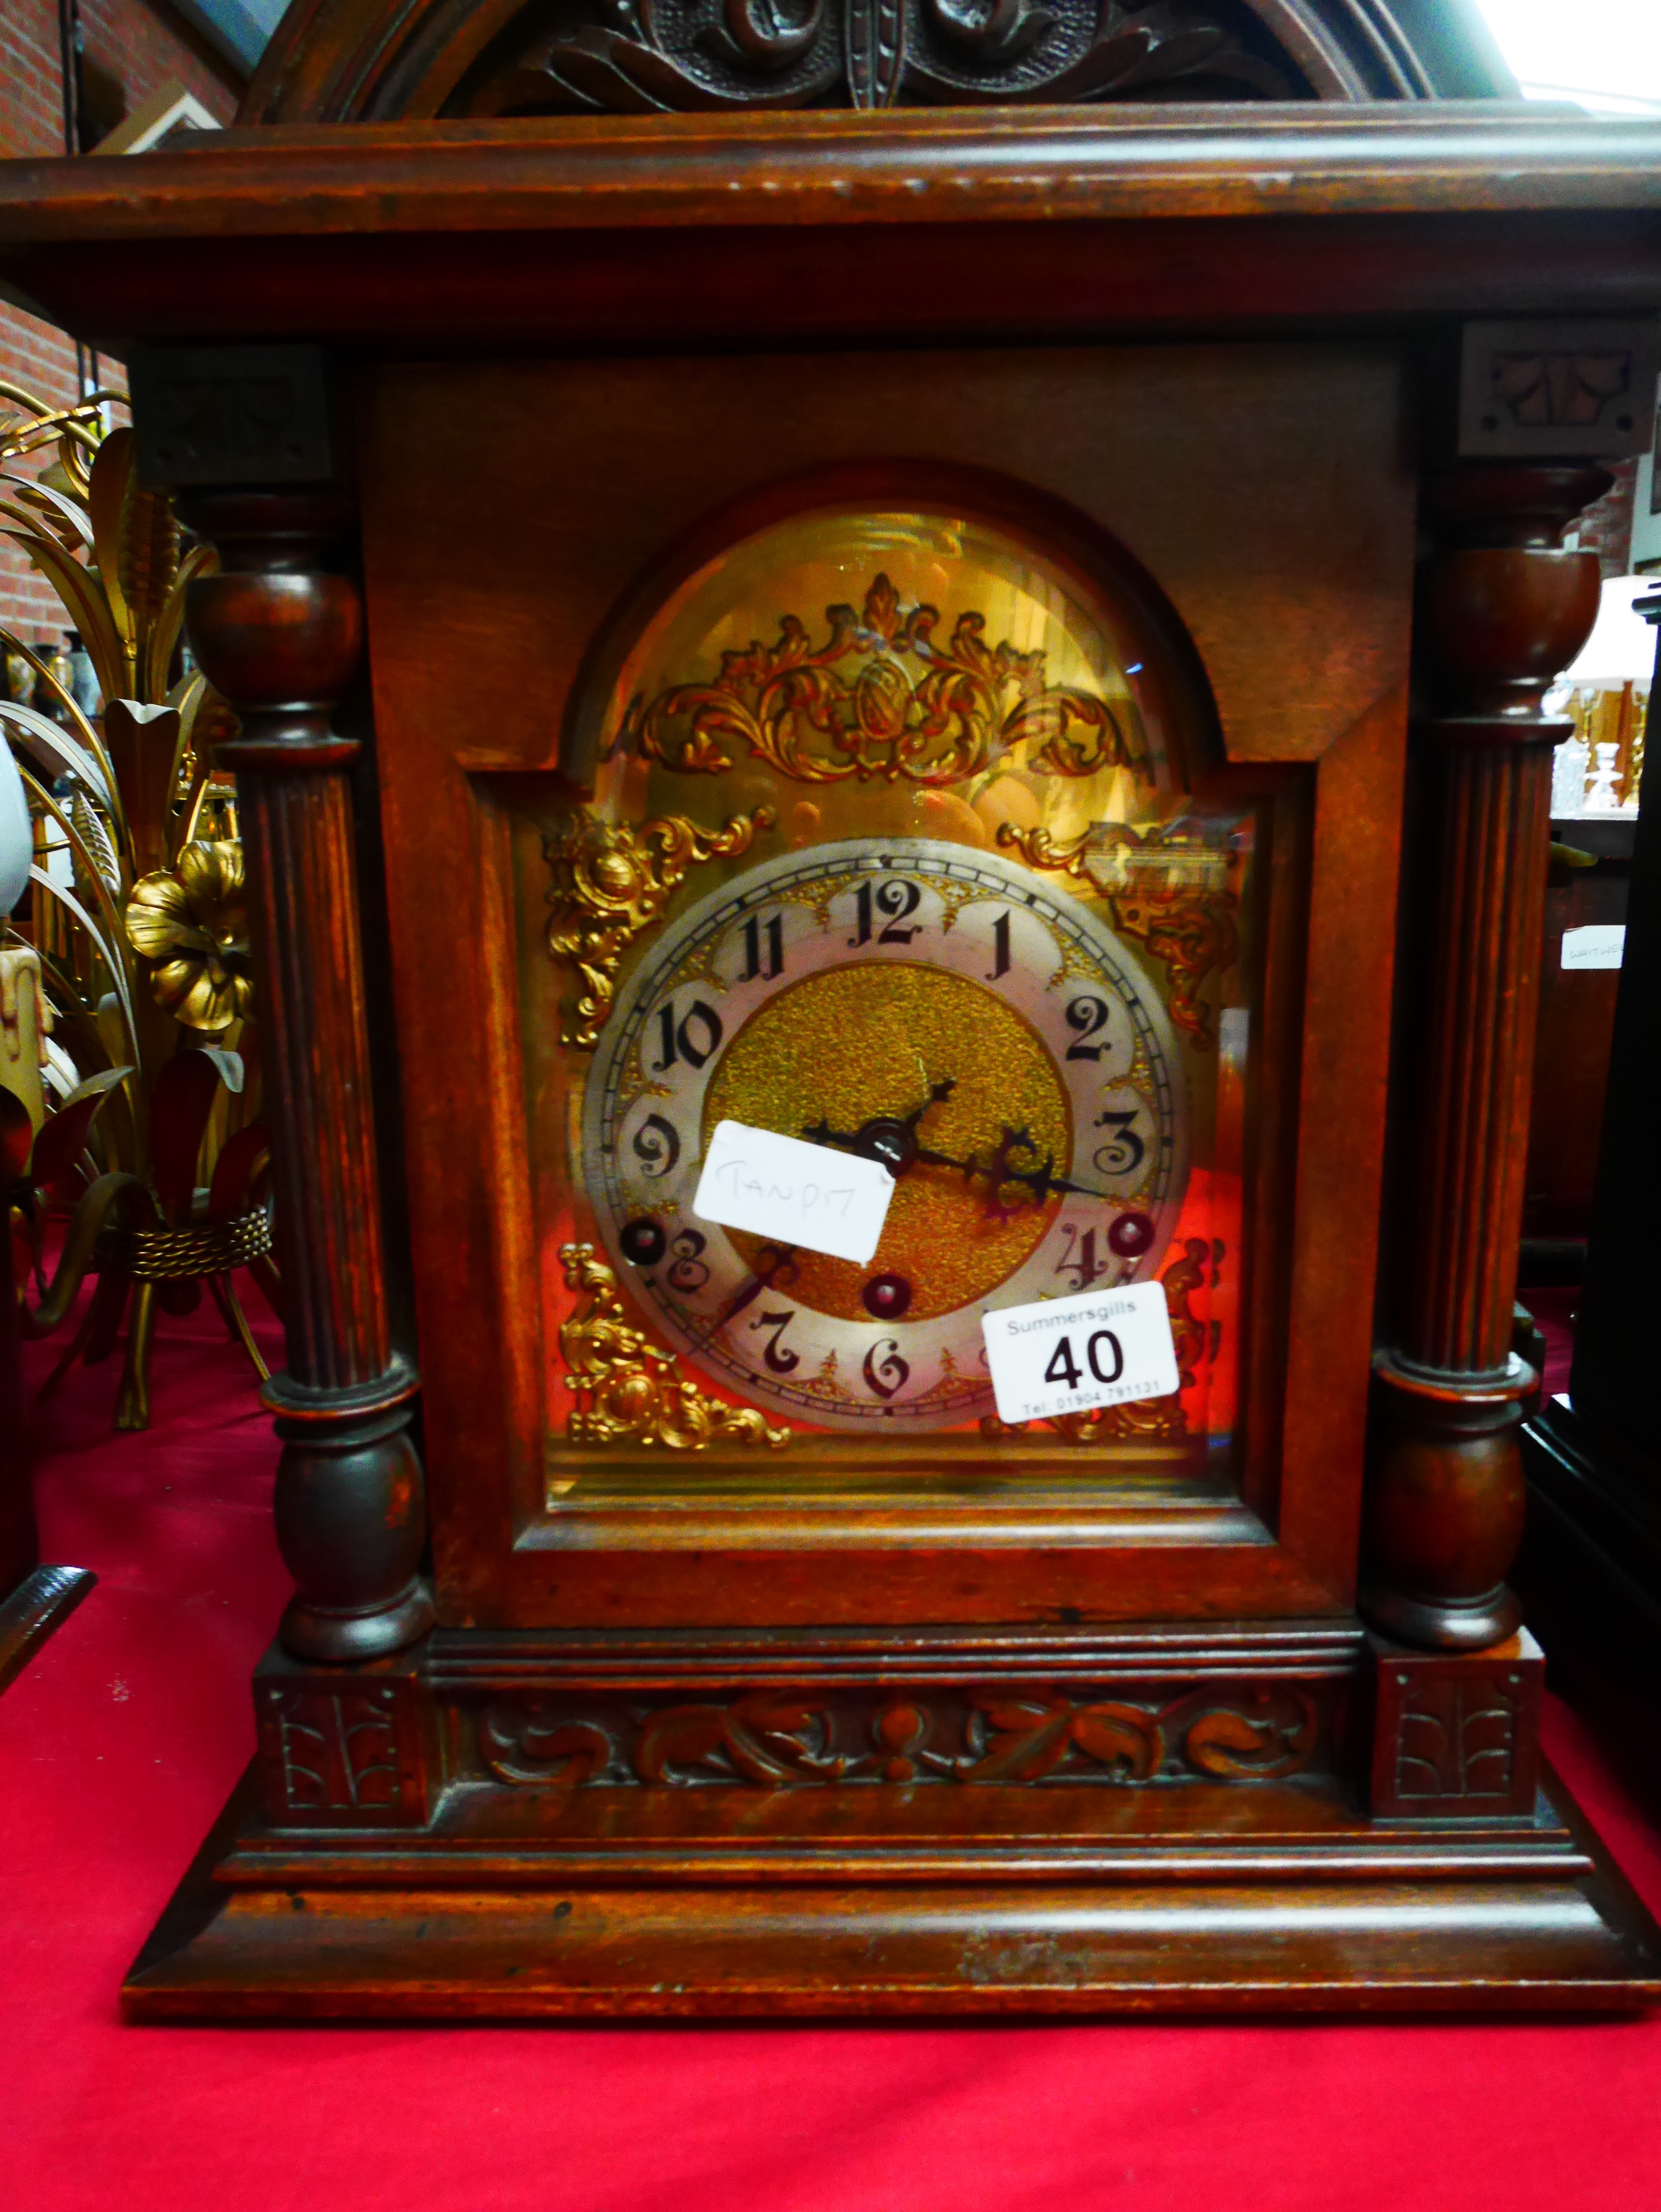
{"points": [[1504, 608], [280, 636]]}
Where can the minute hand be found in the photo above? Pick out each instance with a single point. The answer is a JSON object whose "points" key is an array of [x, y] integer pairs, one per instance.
{"points": [[999, 1172]]}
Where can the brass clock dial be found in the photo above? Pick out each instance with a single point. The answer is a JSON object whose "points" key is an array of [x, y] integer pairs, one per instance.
{"points": [[934, 1007]]}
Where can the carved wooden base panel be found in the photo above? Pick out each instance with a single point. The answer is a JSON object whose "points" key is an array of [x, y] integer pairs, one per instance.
{"points": [[508, 1824], [1456, 1735]]}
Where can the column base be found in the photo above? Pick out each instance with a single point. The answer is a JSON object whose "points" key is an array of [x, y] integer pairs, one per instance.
{"points": [[348, 1638], [1461, 1625]]}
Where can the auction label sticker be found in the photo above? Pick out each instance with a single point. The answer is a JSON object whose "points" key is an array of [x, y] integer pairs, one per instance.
{"points": [[1077, 1354], [809, 1195], [1595, 945]]}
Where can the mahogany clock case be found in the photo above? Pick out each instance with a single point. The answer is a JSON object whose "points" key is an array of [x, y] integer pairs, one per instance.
{"points": [[695, 1700], [621, 463], [1001, 1724]]}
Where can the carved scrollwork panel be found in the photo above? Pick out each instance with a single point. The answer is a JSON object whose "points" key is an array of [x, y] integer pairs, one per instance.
{"points": [[338, 61], [1456, 1734], [783, 1738], [636, 56]]}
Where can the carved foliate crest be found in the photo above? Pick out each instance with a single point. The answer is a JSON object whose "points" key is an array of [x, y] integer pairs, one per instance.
{"points": [[680, 54]]}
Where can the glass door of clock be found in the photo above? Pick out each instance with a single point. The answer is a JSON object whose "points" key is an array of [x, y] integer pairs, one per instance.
{"points": [[895, 830]]}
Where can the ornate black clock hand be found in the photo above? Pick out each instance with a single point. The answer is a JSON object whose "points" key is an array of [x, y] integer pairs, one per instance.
{"points": [[999, 1172], [891, 1138]]}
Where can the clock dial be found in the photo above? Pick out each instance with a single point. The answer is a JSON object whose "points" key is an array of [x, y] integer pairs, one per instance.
{"points": [[936, 1008]]}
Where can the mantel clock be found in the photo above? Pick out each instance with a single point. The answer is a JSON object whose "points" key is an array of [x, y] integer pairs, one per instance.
{"points": [[1002, 642]]}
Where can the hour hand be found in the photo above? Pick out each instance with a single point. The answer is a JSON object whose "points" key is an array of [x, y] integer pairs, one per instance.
{"points": [[890, 1139]]}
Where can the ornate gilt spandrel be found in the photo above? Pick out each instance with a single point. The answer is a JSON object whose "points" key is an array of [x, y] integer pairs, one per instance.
{"points": [[627, 1391], [1171, 887], [613, 881]]}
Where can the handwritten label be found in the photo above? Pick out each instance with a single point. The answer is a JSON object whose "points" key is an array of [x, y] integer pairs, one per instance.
{"points": [[1077, 1354], [777, 1187], [1597, 945]]}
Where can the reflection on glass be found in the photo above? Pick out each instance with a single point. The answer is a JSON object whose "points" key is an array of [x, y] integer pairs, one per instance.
{"points": [[959, 909]]}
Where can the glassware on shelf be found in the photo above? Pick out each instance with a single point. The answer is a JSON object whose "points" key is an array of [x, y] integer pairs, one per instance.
{"points": [[1568, 777]]}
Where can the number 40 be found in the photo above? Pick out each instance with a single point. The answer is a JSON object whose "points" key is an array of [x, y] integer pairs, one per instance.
{"points": [[1064, 1368]]}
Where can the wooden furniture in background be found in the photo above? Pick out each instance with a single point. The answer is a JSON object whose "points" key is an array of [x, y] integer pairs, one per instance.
{"points": [[644, 1733], [1592, 1564], [1572, 1049]]}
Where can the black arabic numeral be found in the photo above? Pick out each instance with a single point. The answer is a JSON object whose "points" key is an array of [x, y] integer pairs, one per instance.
{"points": [[777, 1356], [1086, 1017], [890, 1373], [1125, 1152], [693, 1039], [898, 899], [656, 1145], [755, 967], [1000, 948], [688, 1272], [1080, 1262]]}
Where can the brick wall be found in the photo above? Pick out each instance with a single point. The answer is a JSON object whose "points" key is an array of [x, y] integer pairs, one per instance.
{"points": [[132, 47]]}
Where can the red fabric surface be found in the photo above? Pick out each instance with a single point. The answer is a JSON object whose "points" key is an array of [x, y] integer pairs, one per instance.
{"points": [[120, 1742]]}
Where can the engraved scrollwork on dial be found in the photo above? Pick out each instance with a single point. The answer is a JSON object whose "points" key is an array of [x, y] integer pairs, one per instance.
{"points": [[881, 698]]}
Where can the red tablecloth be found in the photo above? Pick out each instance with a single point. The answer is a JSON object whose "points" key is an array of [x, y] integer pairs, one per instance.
{"points": [[120, 1742]]}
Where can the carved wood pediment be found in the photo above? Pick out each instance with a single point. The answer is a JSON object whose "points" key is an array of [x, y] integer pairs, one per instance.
{"points": [[383, 60]]}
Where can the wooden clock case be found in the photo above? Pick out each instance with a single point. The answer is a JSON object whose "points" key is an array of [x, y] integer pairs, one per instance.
{"points": [[467, 389]]}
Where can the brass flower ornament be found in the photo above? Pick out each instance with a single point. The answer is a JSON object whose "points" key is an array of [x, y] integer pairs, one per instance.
{"points": [[189, 921]]}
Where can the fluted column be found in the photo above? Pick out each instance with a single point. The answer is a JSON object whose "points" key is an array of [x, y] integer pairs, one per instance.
{"points": [[1505, 607], [280, 637]]}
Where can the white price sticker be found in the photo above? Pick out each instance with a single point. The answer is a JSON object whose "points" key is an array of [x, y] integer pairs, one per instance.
{"points": [[1076, 1354], [807, 1195]]}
